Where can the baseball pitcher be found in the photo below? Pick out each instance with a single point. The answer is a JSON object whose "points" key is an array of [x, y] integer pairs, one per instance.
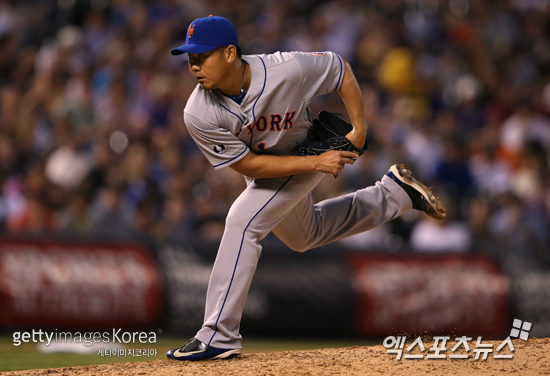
{"points": [[250, 113]]}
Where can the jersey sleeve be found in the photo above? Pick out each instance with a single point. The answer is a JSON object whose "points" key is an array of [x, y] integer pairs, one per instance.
{"points": [[218, 145], [322, 72]]}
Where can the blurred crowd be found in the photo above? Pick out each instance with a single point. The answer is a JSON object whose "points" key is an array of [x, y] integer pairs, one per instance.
{"points": [[93, 144]]}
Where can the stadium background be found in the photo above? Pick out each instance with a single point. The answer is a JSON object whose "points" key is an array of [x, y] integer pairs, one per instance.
{"points": [[94, 157]]}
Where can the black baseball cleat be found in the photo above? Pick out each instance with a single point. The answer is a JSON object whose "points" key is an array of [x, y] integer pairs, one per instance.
{"points": [[421, 196], [196, 350]]}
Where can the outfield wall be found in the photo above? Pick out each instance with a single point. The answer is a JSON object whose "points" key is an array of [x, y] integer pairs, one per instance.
{"points": [[328, 292]]}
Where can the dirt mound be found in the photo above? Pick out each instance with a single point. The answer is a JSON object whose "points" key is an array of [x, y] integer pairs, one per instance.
{"points": [[529, 358]]}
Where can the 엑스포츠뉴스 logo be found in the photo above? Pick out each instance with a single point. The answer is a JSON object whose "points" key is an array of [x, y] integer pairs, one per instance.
{"points": [[520, 329], [396, 345]]}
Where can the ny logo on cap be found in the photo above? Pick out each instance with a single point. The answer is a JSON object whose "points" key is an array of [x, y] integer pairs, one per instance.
{"points": [[191, 31]]}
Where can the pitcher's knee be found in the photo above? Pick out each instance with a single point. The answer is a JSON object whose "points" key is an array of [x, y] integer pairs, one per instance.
{"points": [[233, 223], [297, 246], [239, 224]]}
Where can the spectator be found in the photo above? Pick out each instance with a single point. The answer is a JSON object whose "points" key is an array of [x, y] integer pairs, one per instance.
{"points": [[109, 220], [92, 139], [440, 236]]}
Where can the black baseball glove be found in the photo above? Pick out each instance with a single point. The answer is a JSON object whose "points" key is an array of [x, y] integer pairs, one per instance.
{"points": [[328, 132]]}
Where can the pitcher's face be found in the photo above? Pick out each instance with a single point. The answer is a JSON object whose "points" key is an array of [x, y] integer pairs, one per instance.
{"points": [[208, 68]]}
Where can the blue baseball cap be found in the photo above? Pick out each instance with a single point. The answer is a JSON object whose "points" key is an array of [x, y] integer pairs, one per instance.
{"points": [[205, 34]]}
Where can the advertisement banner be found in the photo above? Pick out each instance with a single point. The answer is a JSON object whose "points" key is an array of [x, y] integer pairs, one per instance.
{"points": [[530, 283], [292, 294], [417, 294], [186, 275], [77, 285], [305, 294]]}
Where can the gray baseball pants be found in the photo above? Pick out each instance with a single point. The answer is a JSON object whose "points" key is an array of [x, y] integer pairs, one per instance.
{"points": [[284, 206]]}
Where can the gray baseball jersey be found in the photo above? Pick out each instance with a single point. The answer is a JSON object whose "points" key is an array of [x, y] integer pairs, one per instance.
{"points": [[274, 114], [272, 118]]}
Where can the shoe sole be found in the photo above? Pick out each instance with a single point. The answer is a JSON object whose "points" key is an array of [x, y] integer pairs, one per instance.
{"points": [[225, 355], [400, 172], [228, 355]]}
